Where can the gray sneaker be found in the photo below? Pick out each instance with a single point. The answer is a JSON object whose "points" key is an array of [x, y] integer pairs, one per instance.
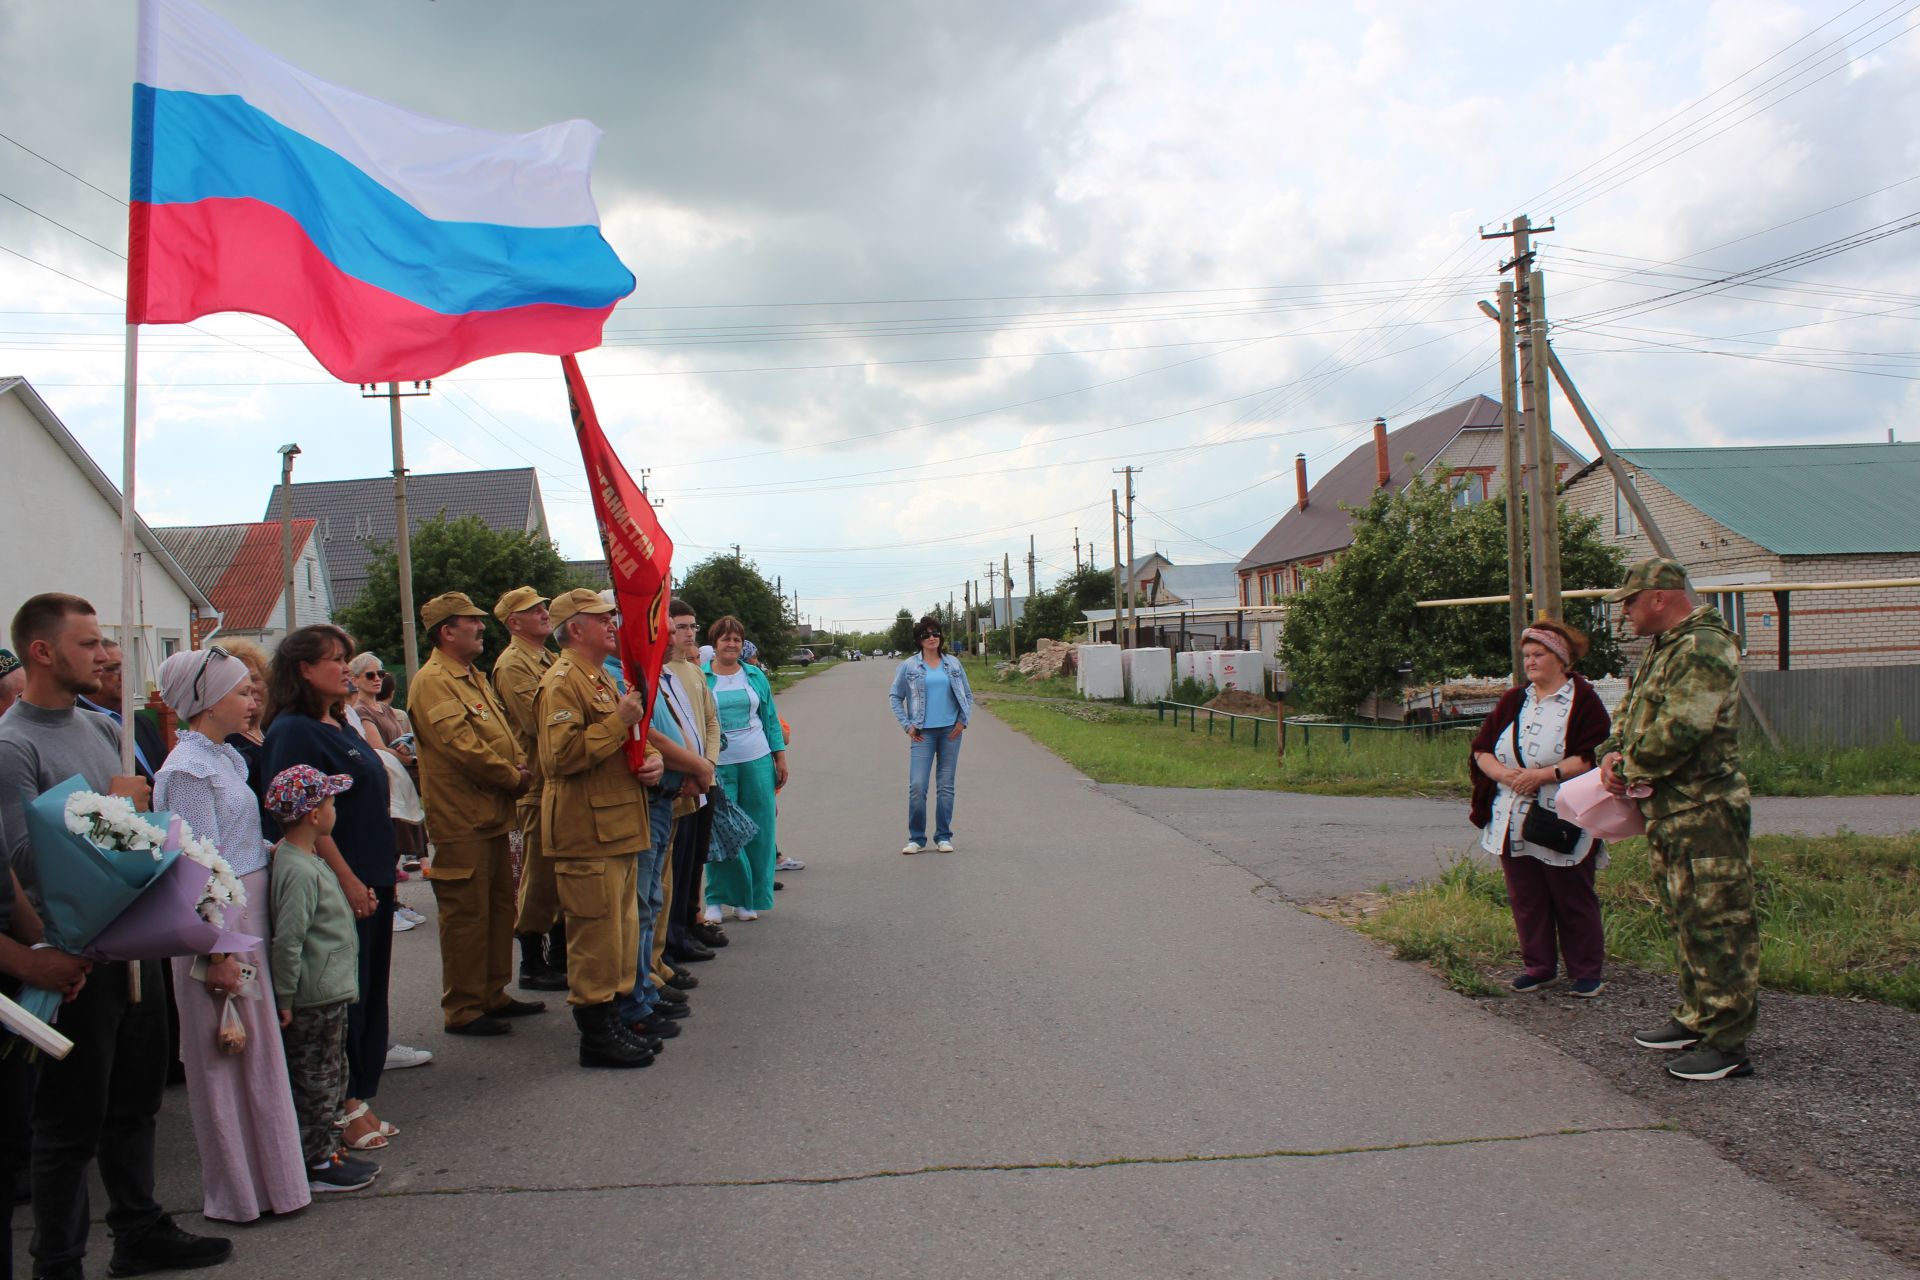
{"points": [[1672, 1037], [340, 1173], [1710, 1064]]}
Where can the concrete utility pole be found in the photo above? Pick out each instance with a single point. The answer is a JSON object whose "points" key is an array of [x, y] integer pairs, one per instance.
{"points": [[1013, 629], [1116, 566], [1032, 589], [1510, 437], [966, 601], [1541, 514], [736, 550], [1133, 613], [288, 452], [1076, 548], [402, 532]]}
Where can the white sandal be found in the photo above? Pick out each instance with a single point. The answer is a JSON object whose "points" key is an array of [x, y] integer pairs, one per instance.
{"points": [[383, 1132]]}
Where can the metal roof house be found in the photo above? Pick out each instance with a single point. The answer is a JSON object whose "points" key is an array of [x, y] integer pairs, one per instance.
{"points": [[242, 569], [352, 517], [1198, 586], [1787, 514], [1463, 438]]}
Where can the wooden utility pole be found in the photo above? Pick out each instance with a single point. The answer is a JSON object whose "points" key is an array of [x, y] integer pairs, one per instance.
{"points": [[1510, 436], [1076, 548], [1116, 566], [1522, 231], [1133, 613], [1547, 477], [288, 452], [1013, 629], [966, 599], [402, 533], [1032, 588]]}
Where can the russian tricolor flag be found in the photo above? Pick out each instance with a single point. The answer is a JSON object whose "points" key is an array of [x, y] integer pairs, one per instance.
{"points": [[396, 246]]}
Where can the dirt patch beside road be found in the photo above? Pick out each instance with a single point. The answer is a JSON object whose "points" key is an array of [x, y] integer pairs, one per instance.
{"points": [[1831, 1112]]}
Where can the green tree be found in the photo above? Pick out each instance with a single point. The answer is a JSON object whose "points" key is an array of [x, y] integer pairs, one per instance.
{"points": [[453, 555], [900, 637], [1349, 634], [722, 585]]}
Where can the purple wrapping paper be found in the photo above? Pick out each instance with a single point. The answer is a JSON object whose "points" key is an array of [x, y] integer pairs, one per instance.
{"points": [[162, 922]]}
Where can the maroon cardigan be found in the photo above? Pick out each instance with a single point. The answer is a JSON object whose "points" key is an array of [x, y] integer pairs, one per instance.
{"points": [[1587, 727]]}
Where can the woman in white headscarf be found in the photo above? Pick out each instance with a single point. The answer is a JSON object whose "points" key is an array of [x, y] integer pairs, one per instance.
{"points": [[243, 1119]]}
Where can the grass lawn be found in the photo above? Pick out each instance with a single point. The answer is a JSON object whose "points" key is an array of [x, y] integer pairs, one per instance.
{"points": [[1839, 915], [988, 685], [1111, 742]]}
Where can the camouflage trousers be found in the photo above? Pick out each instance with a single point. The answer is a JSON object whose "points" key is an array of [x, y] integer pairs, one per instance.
{"points": [[316, 1044], [1705, 878]]}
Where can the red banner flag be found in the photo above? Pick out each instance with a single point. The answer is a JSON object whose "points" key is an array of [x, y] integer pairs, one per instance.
{"points": [[639, 555]]}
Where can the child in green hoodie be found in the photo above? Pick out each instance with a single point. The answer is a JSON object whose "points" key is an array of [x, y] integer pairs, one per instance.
{"points": [[315, 962]]}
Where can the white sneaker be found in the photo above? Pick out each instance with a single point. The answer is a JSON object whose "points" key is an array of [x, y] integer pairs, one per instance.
{"points": [[400, 1057], [945, 846], [400, 923], [745, 913], [913, 846], [710, 914], [789, 864], [410, 914]]}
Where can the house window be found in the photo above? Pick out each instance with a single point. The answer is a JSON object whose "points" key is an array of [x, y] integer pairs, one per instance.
{"points": [[1246, 585], [1469, 487], [168, 647], [1625, 523], [309, 576], [1732, 606]]}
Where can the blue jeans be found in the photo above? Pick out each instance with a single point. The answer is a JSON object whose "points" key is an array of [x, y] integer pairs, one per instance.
{"points": [[934, 744], [653, 864]]}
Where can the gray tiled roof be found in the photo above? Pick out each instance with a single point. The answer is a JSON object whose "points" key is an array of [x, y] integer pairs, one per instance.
{"points": [[1323, 526], [354, 516]]}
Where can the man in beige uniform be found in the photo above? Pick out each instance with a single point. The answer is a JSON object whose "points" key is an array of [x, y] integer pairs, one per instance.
{"points": [[516, 678], [471, 772], [593, 819]]}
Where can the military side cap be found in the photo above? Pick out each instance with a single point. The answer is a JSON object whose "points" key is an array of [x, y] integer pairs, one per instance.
{"points": [[578, 600], [1655, 573], [8, 663], [454, 604], [516, 600]]}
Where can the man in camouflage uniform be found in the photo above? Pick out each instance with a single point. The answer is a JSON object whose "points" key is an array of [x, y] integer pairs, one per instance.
{"points": [[1675, 747], [516, 678]]}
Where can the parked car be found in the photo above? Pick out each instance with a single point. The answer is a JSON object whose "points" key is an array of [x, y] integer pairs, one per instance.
{"points": [[803, 656]]}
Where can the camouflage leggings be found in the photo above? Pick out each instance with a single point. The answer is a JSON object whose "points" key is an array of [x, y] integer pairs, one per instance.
{"points": [[1705, 877], [316, 1042]]}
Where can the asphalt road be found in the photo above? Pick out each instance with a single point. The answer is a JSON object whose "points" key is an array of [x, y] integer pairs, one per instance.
{"points": [[1083, 1045], [1314, 847]]}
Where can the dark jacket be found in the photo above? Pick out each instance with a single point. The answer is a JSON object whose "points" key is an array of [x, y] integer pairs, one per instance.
{"points": [[1587, 728]]}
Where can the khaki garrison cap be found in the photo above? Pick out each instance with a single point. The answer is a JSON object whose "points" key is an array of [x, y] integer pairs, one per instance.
{"points": [[454, 604], [515, 601], [578, 600], [1655, 573]]}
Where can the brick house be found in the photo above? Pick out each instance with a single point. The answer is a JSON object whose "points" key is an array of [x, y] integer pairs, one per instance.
{"points": [[1783, 513], [1463, 439]]}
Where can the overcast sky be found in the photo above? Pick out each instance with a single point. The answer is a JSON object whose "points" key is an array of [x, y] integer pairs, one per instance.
{"points": [[915, 277]]}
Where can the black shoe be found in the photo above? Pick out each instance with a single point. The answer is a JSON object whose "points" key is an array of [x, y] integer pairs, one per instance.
{"points": [[688, 952], [655, 1026], [519, 1008], [601, 1042], [683, 981], [672, 1012], [1672, 1037], [710, 934], [1710, 1064], [778, 885], [484, 1025], [671, 995], [535, 973], [165, 1247], [557, 948], [652, 1044]]}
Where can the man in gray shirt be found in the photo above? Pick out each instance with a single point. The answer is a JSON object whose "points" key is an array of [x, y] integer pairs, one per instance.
{"points": [[101, 1100]]}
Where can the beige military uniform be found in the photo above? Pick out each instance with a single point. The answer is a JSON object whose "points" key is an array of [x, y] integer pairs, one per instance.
{"points": [[516, 679], [593, 823], [469, 768]]}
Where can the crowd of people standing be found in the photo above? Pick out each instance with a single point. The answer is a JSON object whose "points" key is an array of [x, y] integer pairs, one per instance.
{"points": [[548, 808]]}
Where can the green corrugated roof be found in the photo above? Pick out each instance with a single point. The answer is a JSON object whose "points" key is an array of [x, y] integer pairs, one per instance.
{"points": [[1800, 500]]}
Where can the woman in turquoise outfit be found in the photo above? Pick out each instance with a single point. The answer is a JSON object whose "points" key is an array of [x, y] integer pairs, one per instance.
{"points": [[753, 764]]}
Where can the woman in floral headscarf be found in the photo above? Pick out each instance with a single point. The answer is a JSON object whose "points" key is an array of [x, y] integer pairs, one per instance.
{"points": [[243, 1119]]}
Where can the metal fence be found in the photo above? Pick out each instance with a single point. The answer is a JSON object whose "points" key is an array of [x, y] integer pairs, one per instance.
{"points": [[1839, 706]]}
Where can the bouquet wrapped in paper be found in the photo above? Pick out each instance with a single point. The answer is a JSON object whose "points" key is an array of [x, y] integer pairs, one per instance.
{"points": [[1586, 802], [116, 884]]}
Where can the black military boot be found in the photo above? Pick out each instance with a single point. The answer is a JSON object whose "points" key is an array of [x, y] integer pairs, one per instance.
{"points": [[557, 948], [535, 973], [601, 1041]]}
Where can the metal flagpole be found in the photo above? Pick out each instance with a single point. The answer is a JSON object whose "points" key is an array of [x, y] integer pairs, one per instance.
{"points": [[129, 567]]}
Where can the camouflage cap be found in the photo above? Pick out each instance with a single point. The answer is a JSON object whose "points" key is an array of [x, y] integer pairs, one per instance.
{"points": [[453, 604], [516, 600], [1655, 573], [578, 600]]}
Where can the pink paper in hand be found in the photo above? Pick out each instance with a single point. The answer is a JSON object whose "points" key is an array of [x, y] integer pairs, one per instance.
{"points": [[1585, 802]]}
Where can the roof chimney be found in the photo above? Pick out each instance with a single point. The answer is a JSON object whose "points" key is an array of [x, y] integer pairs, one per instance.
{"points": [[1300, 477], [1383, 469]]}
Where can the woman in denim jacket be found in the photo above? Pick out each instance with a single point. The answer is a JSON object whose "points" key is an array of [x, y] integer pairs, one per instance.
{"points": [[933, 702]]}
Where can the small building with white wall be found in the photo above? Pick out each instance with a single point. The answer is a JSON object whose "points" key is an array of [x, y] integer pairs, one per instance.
{"points": [[60, 524]]}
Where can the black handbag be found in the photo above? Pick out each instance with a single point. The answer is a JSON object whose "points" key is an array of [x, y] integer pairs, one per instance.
{"points": [[1542, 825]]}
